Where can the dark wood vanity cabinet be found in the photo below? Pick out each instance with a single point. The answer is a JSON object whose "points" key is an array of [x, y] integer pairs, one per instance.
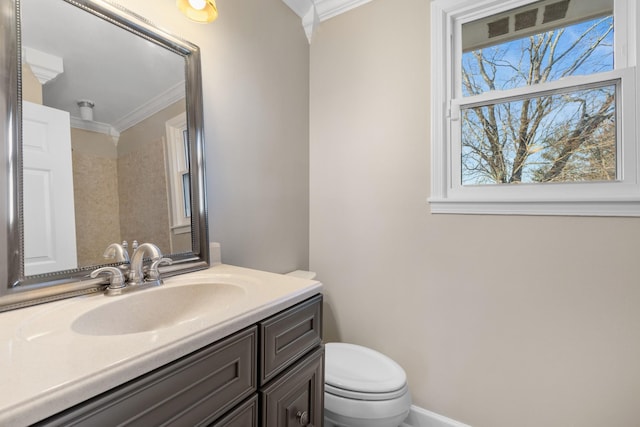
{"points": [[270, 374], [246, 415], [292, 367], [297, 397], [194, 390]]}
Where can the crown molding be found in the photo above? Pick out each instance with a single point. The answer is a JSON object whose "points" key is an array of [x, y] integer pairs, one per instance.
{"points": [[327, 9], [160, 102], [44, 66], [312, 12], [104, 128]]}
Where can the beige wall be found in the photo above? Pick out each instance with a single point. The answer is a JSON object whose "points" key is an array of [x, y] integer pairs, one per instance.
{"points": [[31, 87], [142, 191], [115, 187], [500, 321], [142, 180], [255, 66], [137, 137], [95, 191]]}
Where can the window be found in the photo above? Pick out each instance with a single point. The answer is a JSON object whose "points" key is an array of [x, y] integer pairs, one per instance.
{"points": [[178, 175], [537, 113]]}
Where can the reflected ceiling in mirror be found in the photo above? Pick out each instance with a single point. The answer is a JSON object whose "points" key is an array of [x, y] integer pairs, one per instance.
{"points": [[112, 105]]}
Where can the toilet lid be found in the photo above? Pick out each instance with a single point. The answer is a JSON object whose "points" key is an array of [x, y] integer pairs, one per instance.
{"points": [[361, 369]]}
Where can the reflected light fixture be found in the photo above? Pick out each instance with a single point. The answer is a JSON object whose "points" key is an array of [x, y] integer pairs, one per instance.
{"points": [[199, 10], [86, 109]]}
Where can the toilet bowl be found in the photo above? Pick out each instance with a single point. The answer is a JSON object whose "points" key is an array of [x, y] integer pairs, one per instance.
{"points": [[363, 388]]}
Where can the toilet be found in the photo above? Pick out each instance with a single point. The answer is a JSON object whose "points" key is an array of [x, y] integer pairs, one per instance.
{"points": [[363, 388]]}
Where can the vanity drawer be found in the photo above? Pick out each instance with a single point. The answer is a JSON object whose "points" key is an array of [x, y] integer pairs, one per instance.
{"points": [[287, 336], [245, 415], [194, 390]]}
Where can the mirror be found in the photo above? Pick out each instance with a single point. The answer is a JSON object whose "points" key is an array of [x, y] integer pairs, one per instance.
{"points": [[102, 120]]}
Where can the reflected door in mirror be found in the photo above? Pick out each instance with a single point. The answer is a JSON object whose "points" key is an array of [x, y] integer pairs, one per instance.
{"points": [[49, 218]]}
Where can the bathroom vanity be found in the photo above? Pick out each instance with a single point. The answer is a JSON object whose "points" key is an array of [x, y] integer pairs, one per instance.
{"points": [[221, 346], [254, 359]]}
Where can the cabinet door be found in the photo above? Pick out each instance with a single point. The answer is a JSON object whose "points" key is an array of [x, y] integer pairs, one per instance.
{"points": [[296, 398]]}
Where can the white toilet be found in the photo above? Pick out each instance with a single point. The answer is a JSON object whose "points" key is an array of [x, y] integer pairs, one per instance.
{"points": [[363, 388]]}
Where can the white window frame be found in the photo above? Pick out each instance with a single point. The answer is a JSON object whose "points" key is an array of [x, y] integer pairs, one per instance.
{"points": [[616, 198], [177, 166]]}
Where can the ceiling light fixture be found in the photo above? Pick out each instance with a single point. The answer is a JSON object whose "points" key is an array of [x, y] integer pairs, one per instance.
{"points": [[86, 109], [199, 10]]}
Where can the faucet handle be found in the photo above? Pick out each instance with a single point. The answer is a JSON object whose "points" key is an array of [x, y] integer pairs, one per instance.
{"points": [[116, 279], [154, 273]]}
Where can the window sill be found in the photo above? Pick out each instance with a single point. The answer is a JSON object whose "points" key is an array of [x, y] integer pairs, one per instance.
{"points": [[620, 208], [181, 229]]}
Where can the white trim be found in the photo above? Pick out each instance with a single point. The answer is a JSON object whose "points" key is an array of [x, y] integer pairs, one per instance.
{"points": [[98, 127], [550, 86], [312, 12], [148, 109], [44, 66], [419, 417], [176, 165], [310, 22], [540, 207], [619, 198], [160, 102], [299, 7], [181, 229], [328, 9]]}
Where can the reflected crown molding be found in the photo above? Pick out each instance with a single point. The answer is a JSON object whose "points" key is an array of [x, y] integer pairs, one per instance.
{"points": [[148, 109], [98, 127], [313, 12], [153, 106], [44, 66]]}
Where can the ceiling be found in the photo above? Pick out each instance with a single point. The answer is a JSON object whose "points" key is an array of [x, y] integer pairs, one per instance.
{"points": [[73, 62], [79, 56], [312, 12]]}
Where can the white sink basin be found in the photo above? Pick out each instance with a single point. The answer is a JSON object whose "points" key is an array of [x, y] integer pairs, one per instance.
{"points": [[155, 309]]}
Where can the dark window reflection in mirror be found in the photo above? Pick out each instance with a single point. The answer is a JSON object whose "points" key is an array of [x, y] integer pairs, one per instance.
{"points": [[106, 97], [186, 195], [186, 177]]}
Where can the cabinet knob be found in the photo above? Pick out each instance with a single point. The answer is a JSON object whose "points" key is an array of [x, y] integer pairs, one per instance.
{"points": [[303, 418]]}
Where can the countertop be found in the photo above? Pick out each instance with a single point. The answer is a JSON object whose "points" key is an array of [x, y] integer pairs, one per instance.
{"points": [[46, 367]]}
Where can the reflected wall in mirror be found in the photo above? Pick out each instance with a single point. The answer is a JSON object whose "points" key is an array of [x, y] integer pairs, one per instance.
{"points": [[119, 91], [105, 145]]}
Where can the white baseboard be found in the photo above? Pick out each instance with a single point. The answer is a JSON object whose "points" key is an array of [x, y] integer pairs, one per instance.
{"points": [[419, 417]]}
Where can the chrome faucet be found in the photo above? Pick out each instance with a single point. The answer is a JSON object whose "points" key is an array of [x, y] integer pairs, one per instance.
{"points": [[131, 275]]}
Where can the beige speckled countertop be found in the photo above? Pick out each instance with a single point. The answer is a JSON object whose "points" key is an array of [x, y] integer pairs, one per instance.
{"points": [[46, 366]]}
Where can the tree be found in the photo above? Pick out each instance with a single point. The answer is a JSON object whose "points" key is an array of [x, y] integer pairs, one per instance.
{"points": [[550, 137]]}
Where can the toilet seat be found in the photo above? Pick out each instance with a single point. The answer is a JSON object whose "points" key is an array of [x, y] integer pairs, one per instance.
{"points": [[357, 372], [363, 388], [357, 395]]}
